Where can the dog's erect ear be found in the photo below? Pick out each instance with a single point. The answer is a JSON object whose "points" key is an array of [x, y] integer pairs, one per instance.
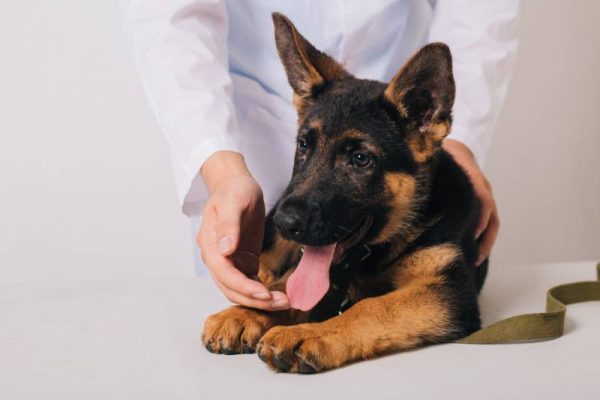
{"points": [[306, 67], [422, 93]]}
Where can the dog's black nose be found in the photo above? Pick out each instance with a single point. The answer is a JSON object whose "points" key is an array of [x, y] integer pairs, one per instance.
{"points": [[290, 220], [290, 224]]}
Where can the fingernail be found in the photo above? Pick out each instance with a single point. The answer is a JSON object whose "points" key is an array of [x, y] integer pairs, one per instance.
{"points": [[281, 303], [262, 296], [225, 244]]}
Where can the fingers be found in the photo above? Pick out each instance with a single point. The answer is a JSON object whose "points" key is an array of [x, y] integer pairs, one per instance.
{"points": [[488, 205], [485, 215], [489, 223], [228, 226], [488, 237], [242, 290], [279, 300], [236, 286], [227, 275]]}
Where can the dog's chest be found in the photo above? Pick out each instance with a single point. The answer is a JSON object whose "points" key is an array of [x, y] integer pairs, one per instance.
{"points": [[359, 275]]}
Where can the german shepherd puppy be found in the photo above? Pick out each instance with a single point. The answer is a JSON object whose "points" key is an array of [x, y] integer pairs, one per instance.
{"points": [[373, 239]]}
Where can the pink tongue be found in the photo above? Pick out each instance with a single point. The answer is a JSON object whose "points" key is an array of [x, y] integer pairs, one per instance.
{"points": [[310, 281]]}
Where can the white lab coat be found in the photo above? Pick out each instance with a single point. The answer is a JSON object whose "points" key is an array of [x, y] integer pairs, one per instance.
{"points": [[213, 78]]}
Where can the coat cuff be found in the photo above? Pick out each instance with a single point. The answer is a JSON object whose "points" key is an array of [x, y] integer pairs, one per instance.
{"points": [[191, 188]]}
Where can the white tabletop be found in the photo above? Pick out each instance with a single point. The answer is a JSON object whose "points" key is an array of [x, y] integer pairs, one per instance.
{"points": [[139, 339]]}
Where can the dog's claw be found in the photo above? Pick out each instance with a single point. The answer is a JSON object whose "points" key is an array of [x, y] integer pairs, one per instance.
{"points": [[263, 357], [305, 368], [209, 346], [246, 349], [282, 363]]}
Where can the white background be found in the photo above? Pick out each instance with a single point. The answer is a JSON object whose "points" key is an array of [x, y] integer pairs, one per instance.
{"points": [[85, 184]]}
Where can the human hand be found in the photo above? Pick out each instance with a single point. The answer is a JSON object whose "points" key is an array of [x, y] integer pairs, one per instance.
{"points": [[230, 237], [489, 222]]}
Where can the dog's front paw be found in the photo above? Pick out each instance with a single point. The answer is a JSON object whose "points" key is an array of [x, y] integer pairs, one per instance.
{"points": [[235, 330], [305, 349]]}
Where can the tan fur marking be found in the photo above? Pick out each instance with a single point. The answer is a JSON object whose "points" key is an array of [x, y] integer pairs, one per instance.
{"points": [[306, 66], [265, 274], [314, 77], [316, 124], [400, 320], [365, 139], [429, 261], [301, 104], [439, 131], [354, 134], [395, 97], [424, 144], [401, 188]]}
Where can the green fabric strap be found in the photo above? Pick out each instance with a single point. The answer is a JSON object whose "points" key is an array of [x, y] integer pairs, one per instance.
{"points": [[539, 326]]}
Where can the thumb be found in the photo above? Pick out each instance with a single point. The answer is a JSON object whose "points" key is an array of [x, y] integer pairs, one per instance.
{"points": [[228, 229]]}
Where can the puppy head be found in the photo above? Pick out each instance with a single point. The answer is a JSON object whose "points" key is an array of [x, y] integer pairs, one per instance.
{"points": [[360, 144]]}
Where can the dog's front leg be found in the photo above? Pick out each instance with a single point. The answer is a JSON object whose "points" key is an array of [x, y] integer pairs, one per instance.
{"points": [[406, 318]]}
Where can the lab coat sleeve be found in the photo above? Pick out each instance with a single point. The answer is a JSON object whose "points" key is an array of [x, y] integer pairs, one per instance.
{"points": [[180, 48], [483, 41]]}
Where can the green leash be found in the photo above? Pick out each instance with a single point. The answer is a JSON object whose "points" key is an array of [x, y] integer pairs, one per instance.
{"points": [[538, 326]]}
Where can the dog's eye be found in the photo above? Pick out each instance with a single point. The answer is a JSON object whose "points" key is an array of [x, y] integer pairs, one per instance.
{"points": [[302, 145], [360, 159]]}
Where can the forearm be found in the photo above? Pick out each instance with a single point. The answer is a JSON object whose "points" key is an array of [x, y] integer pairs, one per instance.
{"points": [[221, 166]]}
